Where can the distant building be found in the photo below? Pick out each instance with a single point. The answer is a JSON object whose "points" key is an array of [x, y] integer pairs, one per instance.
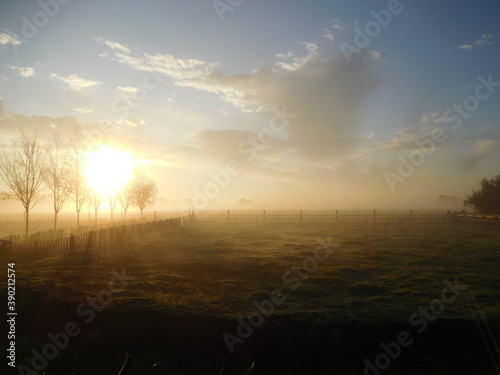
{"points": [[244, 201]]}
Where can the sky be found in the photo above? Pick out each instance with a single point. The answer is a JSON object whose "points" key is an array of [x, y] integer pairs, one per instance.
{"points": [[348, 103]]}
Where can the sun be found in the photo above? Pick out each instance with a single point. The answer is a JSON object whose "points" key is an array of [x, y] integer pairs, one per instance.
{"points": [[107, 170]]}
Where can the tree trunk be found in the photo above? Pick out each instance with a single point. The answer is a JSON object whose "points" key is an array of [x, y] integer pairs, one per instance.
{"points": [[77, 220], [55, 222], [26, 217]]}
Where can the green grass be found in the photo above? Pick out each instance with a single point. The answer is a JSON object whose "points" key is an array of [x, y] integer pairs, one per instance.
{"points": [[378, 276]]}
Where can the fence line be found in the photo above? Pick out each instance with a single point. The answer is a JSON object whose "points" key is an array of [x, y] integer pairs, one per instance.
{"points": [[88, 216], [37, 247], [320, 216]]}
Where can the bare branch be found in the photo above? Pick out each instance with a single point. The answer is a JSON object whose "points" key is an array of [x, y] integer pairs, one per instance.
{"points": [[23, 168]]}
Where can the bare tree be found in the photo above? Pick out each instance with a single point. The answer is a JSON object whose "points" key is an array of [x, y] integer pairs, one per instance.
{"points": [[79, 190], [144, 191], [22, 169], [112, 204], [126, 197], [57, 176], [94, 201]]}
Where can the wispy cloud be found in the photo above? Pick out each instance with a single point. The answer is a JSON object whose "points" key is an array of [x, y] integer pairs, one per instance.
{"points": [[83, 110], [485, 40], [404, 139], [10, 122], [135, 122], [177, 69], [290, 61], [324, 92], [430, 117], [113, 45], [7, 37], [75, 82], [128, 89], [24, 71], [401, 140], [329, 32]]}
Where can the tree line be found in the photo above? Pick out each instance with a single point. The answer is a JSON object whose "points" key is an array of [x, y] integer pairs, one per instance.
{"points": [[486, 200], [34, 172]]}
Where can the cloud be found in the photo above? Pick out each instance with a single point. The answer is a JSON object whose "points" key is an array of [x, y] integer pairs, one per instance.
{"points": [[10, 123], [290, 61], [430, 117], [485, 40], [150, 148], [135, 122], [219, 146], [338, 25], [404, 139], [194, 73], [177, 69], [83, 110], [113, 45], [374, 54], [324, 91], [329, 32], [75, 82], [327, 95], [24, 71], [128, 89], [328, 35], [7, 37]]}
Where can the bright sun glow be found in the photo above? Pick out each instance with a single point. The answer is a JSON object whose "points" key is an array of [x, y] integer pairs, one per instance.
{"points": [[107, 170]]}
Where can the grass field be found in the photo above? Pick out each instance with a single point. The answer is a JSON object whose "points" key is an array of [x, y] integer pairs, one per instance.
{"points": [[190, 286]]}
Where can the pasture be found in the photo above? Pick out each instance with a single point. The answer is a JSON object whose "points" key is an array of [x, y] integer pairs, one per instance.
{"points": [[274, 297]]}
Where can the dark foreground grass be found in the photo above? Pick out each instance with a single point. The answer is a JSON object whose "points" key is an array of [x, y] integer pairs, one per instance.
{"points": [[190, 285]]}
